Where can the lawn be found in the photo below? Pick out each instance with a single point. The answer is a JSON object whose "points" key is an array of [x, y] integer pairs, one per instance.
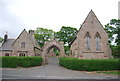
{"points": [[110, 72]]}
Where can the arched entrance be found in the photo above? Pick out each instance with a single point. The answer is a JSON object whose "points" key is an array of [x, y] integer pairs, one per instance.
{"points": [[53, 43]]}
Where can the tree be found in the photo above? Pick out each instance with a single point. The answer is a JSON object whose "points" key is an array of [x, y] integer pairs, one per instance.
{"points": [[113, 28], [66, 34], [115, 51], [42, 35], [1, 39]]}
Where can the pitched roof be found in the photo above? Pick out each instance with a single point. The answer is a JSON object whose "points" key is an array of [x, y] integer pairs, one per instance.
{"points": [[91, 14], [7, 46], [88, 16], [32, 39]]}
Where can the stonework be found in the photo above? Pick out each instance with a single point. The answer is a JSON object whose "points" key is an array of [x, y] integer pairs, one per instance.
{"points": [[91, 41], [51, 52], [53, 43], [24, 45]]}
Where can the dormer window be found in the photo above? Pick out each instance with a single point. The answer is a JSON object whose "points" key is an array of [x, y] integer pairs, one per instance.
{"points": [[23, 45]]}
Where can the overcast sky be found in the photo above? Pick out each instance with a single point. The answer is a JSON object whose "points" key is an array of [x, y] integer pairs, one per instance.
{"points": [[16, 15]]}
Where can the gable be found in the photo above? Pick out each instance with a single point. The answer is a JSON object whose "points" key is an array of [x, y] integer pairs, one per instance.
{"points": [[25, 37], [92, 24]]}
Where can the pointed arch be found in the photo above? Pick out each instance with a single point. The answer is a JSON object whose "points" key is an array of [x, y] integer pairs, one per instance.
{"points": [[23, 45], [53, 46], [97, 39], [53, 43], [98, 35], [87, 37]]}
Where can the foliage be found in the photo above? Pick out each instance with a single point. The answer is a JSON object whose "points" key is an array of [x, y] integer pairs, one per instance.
{"points": [[9, 61], [42, 35], [66, 34], [116, 51], [89, 64], [113, 28], [67, 49], [12, 61], [1, 39], [56, 51]]}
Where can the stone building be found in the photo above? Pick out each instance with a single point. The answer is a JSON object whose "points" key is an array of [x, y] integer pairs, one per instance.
{"points": [[24, 45], [91, 41]]}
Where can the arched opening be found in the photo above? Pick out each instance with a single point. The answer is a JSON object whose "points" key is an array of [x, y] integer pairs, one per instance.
{"points": [[52, 46], [53, 50], [52, 54]]}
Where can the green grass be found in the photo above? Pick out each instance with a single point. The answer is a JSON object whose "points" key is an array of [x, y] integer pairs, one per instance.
{"points": [[110, 72]]}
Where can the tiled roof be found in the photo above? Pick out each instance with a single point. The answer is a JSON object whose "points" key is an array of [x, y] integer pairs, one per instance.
{"points": [[7, 45]]}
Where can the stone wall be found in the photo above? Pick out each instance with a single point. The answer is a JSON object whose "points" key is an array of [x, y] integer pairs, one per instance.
{"points": [[93, 26]]}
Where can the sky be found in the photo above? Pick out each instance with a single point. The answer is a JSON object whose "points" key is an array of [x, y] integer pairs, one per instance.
{"points": [[16, 15]]}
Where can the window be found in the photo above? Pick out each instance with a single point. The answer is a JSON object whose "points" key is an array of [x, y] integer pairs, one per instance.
{"points": [[21, 54], [23, 45], [75, 53], [37, 54], [97, 37], [87, 41], [7, 54]]}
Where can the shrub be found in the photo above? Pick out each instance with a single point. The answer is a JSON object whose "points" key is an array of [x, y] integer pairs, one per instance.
{"points": [[89, 64], [115, 51], [29, 61], [10, 61]]}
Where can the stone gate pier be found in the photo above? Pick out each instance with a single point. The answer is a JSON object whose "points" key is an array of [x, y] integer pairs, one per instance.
{"points": [[53, 43]]}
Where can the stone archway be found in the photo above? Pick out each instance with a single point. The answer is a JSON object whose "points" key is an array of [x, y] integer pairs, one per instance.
{"points": [[49, 45]]}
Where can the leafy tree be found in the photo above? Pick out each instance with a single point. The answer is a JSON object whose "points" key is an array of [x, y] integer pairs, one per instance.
{"points": [[1, 39], [113, 28], [66, 34], [115, 51], [42, 35], [67, 50]]}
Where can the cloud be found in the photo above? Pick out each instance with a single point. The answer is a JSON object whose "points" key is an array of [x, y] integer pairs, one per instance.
{"points": [[52, 14], [8, 21]]}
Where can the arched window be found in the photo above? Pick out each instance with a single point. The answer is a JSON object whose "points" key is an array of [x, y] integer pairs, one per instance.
{"points": [[23, 45], [21, 54], [87, 41], [75, 54], [97, 37], [7, 54]]}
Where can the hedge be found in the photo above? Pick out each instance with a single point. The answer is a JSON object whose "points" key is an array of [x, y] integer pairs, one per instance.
{"points": [[9, 61], [89, 64], [12, 61]]}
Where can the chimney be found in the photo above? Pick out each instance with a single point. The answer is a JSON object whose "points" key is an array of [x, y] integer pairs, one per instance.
{"points": [[5, 37], [31, 32]]}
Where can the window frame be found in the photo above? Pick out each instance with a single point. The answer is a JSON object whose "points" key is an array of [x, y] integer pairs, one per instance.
{"points": [[7, 54], [23, 45], [87, 41], [97, 41], [22, 54]]}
